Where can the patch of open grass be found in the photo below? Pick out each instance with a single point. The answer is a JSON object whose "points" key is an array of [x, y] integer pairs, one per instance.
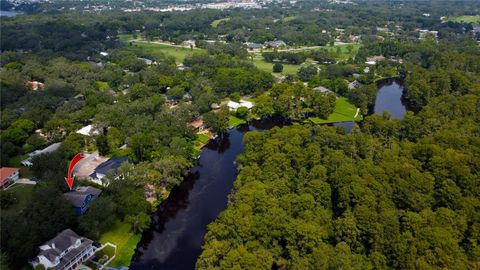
{"points": [[125, 240], [201, 140], [475, 19], [22, 194], [344, 112], [159, 49], [261, 64], [235, 121], [217, 22]]}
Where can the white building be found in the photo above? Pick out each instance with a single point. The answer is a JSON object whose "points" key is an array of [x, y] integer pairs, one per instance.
{"points": [[66, 251], [88, 131], [233, 106], [28, 162]]}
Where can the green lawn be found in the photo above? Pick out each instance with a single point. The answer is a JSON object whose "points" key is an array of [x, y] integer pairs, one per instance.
{"points": [[125, 240], [344, 112], [234, 121], [158, 49], [465, 19], [289, 18], [201, 140], [268, 67], [109, 251], [22, 193], [217, 22]]}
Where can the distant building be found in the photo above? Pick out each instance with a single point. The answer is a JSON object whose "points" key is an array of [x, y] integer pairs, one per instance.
{"points": [[322, 89], [103, 53], [81, 197], [28, 162], [189, 43], [8, 176], [215, 106], [275, 44], [423, 33], [354, 84], [66, 251], [35, 85], [233, 106], [87, 131], [147, 61], [197, 124], [374, 59], [253, 46]]}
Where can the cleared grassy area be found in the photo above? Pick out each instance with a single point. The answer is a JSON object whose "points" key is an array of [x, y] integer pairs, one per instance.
{"points": [[268, 67], [289, 18], [475, 19], [22, 193], [201, 140], [125, 240], [159, 49], [346, 50], [217, 22], [344, 112], [235, 121]]}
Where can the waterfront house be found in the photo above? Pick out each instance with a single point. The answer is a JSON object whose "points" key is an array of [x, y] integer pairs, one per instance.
{"points": [[8, 176], [197, 124], [81, 197], [66, 251]]}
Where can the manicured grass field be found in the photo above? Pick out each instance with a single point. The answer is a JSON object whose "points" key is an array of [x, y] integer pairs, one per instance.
{"points": [[125, 240], [158, 49], [344, 112], [234, 121], [465, 19], [217, 22], [22, 193]]}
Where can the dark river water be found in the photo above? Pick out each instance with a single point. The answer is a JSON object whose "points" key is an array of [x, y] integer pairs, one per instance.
{"points": [[175, 238], [389, 98]]}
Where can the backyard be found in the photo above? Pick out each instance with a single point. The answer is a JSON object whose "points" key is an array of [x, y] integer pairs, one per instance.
{"points": [[125, 240], [475, 19], [158, 49], [344, 112]]}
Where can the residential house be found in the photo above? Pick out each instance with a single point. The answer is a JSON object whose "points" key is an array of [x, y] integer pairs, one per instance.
{"points": [[323, 90], [253, 46], [374, 59], [88, 131], [28, 162], [354, 84], [66, 251], [189, 43], [81, 197], [8, 176], [35, 85], [233, 106], [110, 165], [423, 33], [215, 106], [197, 124], [147, 61], [275, 44]]}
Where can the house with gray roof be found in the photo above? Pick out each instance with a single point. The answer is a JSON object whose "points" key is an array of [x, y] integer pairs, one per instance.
{"points": [[323, 90], [275, 44], [66, 251], [81, 197], [354, 84], [51, 148]]}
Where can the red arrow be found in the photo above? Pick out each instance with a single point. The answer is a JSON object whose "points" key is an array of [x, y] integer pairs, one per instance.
{"points": [[74, 162]]}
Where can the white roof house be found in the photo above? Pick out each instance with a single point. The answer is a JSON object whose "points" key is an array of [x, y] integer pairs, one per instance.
{"points": [[247, 104], [88, 131], [233, 106]]}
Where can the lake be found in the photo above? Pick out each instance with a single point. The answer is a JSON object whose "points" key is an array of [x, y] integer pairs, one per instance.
{"points": [[389, 98]]}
